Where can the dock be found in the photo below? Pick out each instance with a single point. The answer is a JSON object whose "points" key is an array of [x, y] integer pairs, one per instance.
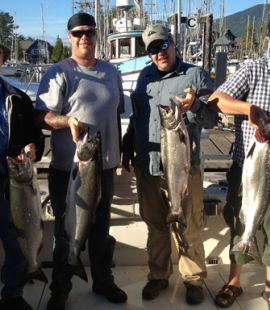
{"points": [[133, 278], [130, 257], [216, 160]]}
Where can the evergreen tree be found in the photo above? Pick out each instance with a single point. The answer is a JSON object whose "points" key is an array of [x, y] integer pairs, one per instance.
{"points": [[65, 52], [57, 50], [6, 28]]}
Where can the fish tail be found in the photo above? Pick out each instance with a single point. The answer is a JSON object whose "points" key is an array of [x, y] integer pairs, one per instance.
{"points": [[36, 275], [177, 217], [79, 270], [180, 242], [251, 249]]}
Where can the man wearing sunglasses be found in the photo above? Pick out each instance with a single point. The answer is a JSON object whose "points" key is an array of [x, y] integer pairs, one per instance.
{"points": [[165, 79], [77, 94]]}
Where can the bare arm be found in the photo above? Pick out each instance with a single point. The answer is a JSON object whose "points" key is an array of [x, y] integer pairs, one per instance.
{"points": [[52, 121], [226, 104]]}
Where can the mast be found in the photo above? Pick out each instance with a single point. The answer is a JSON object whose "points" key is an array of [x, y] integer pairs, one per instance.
{"points": [[178, 43], [263, 28], [43, 36], [221, 22], [247, 37], [252, 37]]}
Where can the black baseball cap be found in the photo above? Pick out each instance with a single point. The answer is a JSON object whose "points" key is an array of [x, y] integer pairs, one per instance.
{"points": [[81, 19]]}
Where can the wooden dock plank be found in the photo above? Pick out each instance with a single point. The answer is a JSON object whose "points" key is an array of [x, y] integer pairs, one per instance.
{"points": [[214, 148], [220, 141], [207, 147]]}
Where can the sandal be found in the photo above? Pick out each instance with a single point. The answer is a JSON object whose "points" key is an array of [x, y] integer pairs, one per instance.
{"points": [[227, 295], [266, 296]]}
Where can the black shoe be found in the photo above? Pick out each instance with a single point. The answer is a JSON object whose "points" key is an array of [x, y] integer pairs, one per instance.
{"points": [[15, 303], [194, 294], [111, 291], [57, 302], [153, 288]]}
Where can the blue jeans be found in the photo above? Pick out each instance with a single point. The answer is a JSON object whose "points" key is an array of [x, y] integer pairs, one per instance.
{"points": [[100, 243], [13, 269]]}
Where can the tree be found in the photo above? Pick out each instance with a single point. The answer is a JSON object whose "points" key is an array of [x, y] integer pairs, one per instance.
{"points": [[65, 52], [7, 27], [59, 51]]}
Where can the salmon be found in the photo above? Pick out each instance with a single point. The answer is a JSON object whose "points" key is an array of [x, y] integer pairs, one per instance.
{"points": [[26, 213], [255, 191], [83, 197], [175, 157]]}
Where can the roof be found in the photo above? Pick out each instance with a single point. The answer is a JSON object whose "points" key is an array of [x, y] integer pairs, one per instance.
{"points": [[223, 41], [25, 44]]}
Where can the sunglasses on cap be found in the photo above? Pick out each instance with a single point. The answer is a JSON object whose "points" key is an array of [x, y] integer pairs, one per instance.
{"points": [[161, 47], [80, 33]]}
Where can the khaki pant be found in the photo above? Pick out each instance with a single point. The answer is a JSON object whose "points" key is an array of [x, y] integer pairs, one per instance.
{"points": [[154, 207]]}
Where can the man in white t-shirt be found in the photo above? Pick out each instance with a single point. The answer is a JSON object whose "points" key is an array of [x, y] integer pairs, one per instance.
{"points": [[77, 93]]}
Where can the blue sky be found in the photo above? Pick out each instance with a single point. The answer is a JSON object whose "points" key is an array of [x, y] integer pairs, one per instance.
{"points": [[28, 15]]}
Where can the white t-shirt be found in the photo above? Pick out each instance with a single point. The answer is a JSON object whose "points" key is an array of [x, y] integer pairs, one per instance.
{"points": [[91, 94]]}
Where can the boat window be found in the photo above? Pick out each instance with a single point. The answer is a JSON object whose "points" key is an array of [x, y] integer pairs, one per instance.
{"points": [[125, 48], [113, 49], [140, 48]]}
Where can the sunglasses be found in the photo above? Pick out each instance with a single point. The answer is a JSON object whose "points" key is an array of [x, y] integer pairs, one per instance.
{"points": [[161, 47], [80, 33]]}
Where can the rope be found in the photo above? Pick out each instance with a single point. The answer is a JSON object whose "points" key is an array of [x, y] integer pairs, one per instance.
{"points": [[39, 302]]}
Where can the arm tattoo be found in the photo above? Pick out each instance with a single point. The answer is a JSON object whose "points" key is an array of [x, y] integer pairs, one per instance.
{"points": [[57, 121]]}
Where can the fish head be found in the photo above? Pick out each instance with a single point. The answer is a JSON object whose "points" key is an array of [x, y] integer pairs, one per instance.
{"points": [[88, 147], [169, 115], [20, 170], [264, 128]]}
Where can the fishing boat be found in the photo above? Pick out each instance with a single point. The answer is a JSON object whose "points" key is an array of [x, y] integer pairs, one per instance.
{"points": [[11, 70]]}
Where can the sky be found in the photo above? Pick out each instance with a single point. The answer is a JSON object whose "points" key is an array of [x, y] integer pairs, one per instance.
{"points": [[28, 15]]}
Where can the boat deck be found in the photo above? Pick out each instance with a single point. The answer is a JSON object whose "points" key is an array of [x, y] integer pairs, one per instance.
{"points": [[133, 278]]}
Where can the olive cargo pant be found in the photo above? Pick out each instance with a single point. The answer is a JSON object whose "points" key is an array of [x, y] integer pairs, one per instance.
{"points": [[154, 207]]}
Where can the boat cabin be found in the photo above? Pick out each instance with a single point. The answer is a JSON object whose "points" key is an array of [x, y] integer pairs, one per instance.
{"points": [[125, 45]]}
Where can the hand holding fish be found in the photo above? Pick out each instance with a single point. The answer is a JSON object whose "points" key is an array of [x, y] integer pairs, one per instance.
{"points": [[76, 128], [255, 115], [187, 102], [30, 151]]}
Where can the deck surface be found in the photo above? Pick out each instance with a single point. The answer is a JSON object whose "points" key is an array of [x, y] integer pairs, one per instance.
{"points": [[133, 278], [215, 153], [215, 148]]}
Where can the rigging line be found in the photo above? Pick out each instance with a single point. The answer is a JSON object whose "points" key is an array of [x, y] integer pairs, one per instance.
{"points": [[42, 293]]}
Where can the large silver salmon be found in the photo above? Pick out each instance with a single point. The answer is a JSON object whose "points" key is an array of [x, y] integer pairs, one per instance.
{"points": [[83, 197], [26, 213], [175, 157], [256, 191]]}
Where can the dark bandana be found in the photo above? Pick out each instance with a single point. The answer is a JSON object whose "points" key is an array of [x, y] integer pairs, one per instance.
{"points": [[81, 19]]}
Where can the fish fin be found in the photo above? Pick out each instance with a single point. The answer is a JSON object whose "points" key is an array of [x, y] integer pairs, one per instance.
{"points": [[79, 270], [74, 171], [21, 233], [180, 242], [251, 149], [250, 249], [36, 275]]}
